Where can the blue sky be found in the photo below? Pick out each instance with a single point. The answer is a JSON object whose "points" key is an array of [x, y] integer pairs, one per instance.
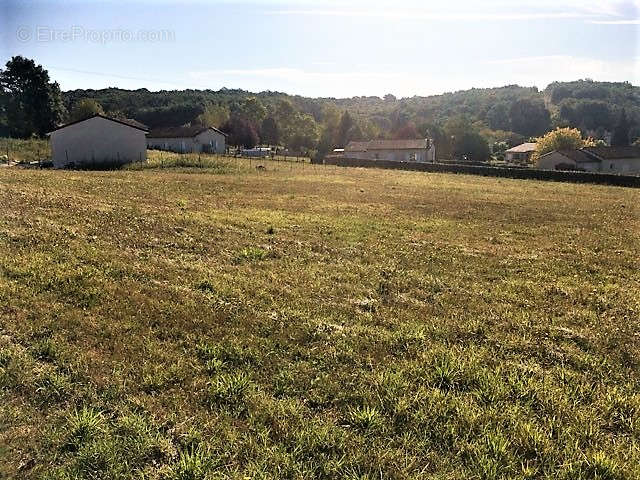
{"points": [[325, 47]]}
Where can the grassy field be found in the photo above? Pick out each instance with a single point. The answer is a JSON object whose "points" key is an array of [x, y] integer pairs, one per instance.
{"points": [[315, 322], [16, 150]]}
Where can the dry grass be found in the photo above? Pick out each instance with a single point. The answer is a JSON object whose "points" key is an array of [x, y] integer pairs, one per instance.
{"points": [[316, 322]]}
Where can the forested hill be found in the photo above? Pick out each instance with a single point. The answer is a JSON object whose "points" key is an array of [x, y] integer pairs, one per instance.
{"points": [[510, 113]]}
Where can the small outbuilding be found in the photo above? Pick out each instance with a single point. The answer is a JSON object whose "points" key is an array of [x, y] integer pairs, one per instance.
{"points": [[188, 140], [520, 154], [618, 160], [412, 150], [98, 141]]}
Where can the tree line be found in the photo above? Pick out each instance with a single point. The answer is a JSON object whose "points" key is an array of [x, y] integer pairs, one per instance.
{"points": [[473, 123]]}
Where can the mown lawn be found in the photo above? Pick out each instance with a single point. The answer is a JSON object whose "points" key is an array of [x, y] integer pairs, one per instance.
{"points": [[316, 322]]}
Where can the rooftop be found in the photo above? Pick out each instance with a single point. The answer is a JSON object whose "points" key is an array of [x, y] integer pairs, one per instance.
{"points": [[614, 153], [409, 144], [180, 132], [523, 148], [126, 121]]}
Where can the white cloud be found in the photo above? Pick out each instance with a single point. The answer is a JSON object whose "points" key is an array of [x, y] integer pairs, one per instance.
{"points": [[542, 70], [466, 10], [440, 16], [616, 22], [526, 71]]}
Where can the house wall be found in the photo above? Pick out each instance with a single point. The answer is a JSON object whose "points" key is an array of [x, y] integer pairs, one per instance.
{"points": [[97, 141], [550, 161], [404, 155], [518, 157], [625, 166], [179, 145], [209, 140]]}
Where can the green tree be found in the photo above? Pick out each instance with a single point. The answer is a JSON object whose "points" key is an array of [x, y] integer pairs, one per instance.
{"points": [[250, 108], [214, 115], [471, 145], [285, 117], [305, 134], [241, 132], [85, 108], [465, 139], [498, 117], [560, 139], [620, 136], [269, 131], [498, 149], [32, 104], [529, 117], [346, 130]]}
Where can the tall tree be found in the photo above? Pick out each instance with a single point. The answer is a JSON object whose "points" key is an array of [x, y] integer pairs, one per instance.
{"points": [[465, 140], [241, 132], [620, 136], [497, 116], [85, 108], [250, 108], [32, 104], [529, 117], [561, 139], [214, 115], [407, 131], [345, 129], [284, 115], [269, 131]]}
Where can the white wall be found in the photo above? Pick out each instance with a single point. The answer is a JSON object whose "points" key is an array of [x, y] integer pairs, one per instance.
{"points": [[173, 144], [403, 155], [627, 166], [207, 139], [97, 140], [214, 140]]}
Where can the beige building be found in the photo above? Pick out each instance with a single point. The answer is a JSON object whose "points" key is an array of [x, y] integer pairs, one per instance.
{"points": [[98, 140], [188, 140], [618, 160], [420, 150], [520, 154]]}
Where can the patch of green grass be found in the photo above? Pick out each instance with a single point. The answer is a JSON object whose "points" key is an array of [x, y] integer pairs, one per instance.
{"points": [[302, 321]]}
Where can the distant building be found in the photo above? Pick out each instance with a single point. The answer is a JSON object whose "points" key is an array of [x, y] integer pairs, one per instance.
{"points": [[620, 160], [520, 154], [420, 150], [98, 140], [188, 140], [260, 152]]}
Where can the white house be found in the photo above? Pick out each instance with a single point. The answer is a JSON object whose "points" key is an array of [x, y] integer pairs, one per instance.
{"points": [[520, 154], [188, 139], [619, 160], [98, 140], [419, 150]]}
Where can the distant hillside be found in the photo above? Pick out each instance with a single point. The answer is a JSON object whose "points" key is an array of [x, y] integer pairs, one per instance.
{"points": [[511, 113]]}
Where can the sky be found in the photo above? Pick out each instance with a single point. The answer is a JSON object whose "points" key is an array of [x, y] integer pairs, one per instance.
{"points": [[324, 48]]}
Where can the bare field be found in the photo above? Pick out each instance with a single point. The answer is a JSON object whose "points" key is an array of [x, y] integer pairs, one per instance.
{"points": [[316, 322]]}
